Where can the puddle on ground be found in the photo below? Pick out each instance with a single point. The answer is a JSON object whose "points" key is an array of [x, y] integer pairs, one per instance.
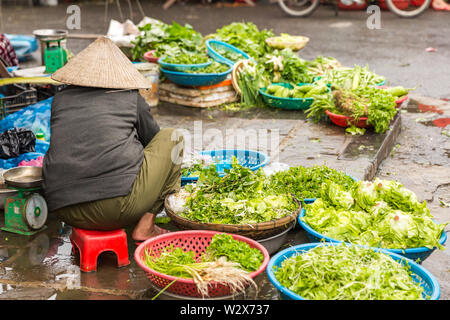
{"points": [[430, 115]]}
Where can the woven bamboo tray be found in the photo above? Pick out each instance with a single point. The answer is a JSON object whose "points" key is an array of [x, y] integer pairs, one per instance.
{"points": [[256, 231]]}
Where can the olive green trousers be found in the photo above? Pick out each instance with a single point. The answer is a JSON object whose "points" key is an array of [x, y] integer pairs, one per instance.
{"points": [[159, 176]]}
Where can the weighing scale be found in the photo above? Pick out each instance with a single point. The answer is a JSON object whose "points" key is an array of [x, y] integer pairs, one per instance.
{"points": [[26, 212], [54, 54]]}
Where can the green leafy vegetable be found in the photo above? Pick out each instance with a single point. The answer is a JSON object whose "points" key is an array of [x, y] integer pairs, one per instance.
{"points": [[167, 40], [223, 245], [245, 36], [187, 58], [351, 78], [306, 182], [214, 67], [347, 273], [242, 196], [376, 104], [285, 66], [225, 260], [251, 78]]}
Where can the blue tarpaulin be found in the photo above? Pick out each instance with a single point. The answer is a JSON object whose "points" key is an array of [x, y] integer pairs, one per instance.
{"points": [[23, 45], [35, 117]]}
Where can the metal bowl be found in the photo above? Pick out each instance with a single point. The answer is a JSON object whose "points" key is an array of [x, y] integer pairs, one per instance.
{"points": [[23, 177], [50, 34], [275, 242]]}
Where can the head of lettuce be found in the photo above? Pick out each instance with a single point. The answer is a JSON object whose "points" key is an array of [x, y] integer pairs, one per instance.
{"points": [[109, 165]]}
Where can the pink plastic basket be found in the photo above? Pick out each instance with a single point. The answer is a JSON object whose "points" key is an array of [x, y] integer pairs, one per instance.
{"points": [[150, 57], [195, 240]]}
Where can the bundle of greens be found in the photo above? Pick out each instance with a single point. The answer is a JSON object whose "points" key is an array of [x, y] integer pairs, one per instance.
{"points": [[351, 78], [251, 78], [345, 272], [306, 182], [230, 55], [379, 214], [320, 65], [223, 245], [304, 91], [377, 104], [214, 67], [192, 167], [242, 196], [285, 66], [187, 58], [225, 260], [245, 36], [167, 40]]}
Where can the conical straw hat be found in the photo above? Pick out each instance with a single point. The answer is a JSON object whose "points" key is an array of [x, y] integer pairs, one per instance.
{"points": [[102, 64]]}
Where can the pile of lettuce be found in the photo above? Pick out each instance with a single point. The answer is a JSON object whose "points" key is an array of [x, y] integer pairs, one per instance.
{"points": [[347, 272], [381, 213], [167, 39], [242, 196], [245, 36]]}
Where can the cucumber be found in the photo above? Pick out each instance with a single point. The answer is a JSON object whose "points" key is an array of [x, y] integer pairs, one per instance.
{"points": [[305, 88], [317, 90]]}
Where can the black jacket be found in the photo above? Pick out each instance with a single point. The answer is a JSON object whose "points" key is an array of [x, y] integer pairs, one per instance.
{"points": [[96, 144]]}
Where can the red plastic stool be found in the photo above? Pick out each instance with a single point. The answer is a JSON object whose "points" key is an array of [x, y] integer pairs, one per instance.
{"points": [[91, 243]]}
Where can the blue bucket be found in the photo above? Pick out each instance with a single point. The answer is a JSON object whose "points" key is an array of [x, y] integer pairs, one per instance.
{"points": [[419, 273], [195, 79], [211, 44], [247, 158]]}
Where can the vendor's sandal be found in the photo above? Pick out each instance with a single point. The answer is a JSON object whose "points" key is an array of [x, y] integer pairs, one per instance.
{"points": [[163, 231]]}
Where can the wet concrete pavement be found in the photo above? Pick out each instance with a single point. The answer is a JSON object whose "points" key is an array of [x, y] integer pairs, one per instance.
{"points": [[44, 267]]}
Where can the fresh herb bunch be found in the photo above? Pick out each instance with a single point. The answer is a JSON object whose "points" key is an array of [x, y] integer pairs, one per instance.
{"points": [[376, 104], [251, 78], [166, 39], [223, 245], [230, 55], [381, 109], [320, 65], [170, 261], [285, 66], [214, 67], [226, 261], [193, 171], [187, 58], [346, 272], [194, 165], [242, 196], [306, 182], [381, 213], [245, 36], [321, 103]]}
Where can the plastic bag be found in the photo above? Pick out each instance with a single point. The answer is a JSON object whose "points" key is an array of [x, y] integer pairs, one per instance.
{"points": [[15, 142]]}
